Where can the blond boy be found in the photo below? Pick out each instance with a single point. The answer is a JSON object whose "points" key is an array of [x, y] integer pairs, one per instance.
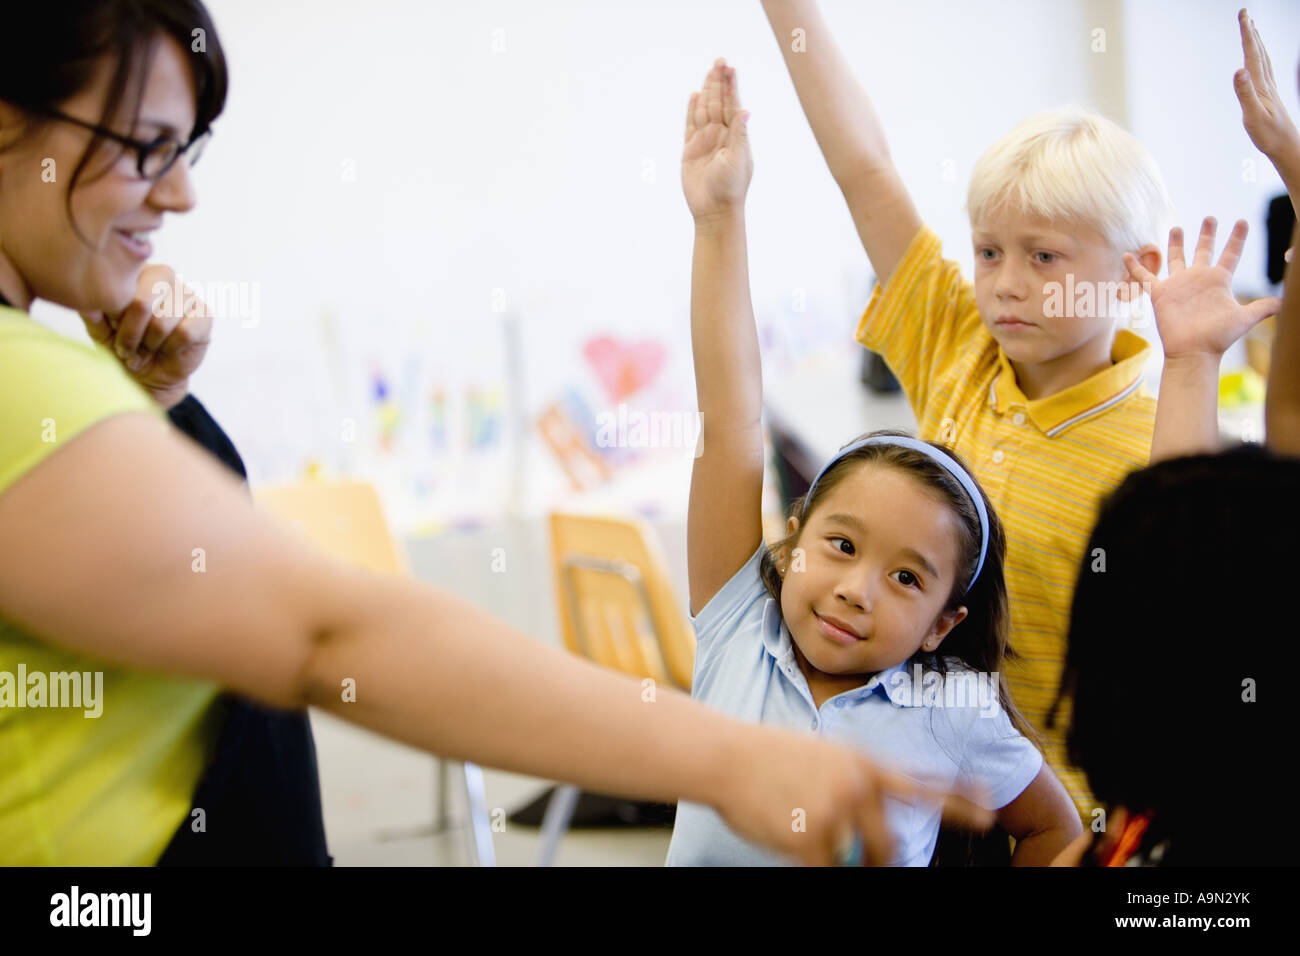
{"points": [[1023, 370]]}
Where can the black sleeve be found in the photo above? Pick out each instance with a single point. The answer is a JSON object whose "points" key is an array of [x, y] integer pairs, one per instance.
{"points": [[193, 419], [261, 786]]}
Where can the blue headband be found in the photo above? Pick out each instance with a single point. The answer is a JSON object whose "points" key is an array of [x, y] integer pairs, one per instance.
{"points": [[949, 465]]}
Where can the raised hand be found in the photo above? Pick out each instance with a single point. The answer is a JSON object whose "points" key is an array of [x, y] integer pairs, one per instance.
{"points": [[1262, 112], [159, 340], [716, 164], [1196, 312]]}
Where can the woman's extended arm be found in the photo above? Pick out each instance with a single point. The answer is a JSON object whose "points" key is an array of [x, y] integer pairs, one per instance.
{"points": [[129, 544]]}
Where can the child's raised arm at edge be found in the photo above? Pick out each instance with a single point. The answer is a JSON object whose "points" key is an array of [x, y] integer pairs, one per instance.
{"points": [[1282, 403], [1195, 309], [1262, 112], [1273, 132], [724, 518]]}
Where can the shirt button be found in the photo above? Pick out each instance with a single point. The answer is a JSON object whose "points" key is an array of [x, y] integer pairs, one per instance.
{"points": [[1019, 418], [814, 723], [840, 702], [998, 456]]}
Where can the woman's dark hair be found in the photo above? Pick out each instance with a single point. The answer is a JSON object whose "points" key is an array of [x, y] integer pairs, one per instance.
{"points": [[980, 640], [55, 47], [1182, 595]]}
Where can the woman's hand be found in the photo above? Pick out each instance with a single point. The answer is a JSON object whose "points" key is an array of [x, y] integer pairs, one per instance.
{"points": [[716, 165], [810, 798], [160, 338]]}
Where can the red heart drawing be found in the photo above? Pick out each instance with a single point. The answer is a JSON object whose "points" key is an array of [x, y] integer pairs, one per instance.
{"points": [[623, 369]]}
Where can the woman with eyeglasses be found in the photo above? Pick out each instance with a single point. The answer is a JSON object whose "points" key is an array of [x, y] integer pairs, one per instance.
{"points": [[130, 555]]}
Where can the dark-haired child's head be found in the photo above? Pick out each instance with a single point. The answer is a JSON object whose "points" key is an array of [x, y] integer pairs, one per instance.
{"points": [[1178, 647], [885, 547], [72, 198]]}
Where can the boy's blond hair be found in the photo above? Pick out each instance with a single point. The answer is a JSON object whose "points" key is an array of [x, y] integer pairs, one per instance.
{"points": [[1073, 164]]}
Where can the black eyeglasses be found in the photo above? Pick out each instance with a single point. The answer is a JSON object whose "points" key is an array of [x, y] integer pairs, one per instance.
{"points": [[154, 159]]}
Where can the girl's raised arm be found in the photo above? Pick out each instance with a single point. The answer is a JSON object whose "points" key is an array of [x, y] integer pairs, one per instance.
{"points": [[724, 521]]}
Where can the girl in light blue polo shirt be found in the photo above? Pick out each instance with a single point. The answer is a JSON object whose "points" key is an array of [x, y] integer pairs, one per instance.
{"points": [[880, 620]]}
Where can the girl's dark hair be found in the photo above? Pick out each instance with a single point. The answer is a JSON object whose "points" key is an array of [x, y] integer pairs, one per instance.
{"points": [[1180, 701], [980, 640], [55, 47]]}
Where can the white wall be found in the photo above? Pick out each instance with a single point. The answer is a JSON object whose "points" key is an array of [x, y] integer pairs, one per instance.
{"points": [[549, 170]]}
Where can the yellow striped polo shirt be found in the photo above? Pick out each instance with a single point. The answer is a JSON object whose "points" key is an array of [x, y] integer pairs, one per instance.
{"points": [[1045, 464]]}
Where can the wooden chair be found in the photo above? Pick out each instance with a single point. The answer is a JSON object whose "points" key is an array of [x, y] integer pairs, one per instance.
{"points": [[617, 608]]}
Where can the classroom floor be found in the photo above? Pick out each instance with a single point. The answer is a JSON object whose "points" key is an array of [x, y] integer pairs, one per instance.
{"points": [[375, 792]]}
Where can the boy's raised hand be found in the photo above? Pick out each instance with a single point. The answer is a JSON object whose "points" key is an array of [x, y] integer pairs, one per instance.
{"points": [[1196, 313], [1262, 112], [716, 164]]}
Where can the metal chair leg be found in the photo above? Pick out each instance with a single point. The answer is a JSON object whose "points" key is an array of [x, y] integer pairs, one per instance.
{"points": [[440, 822], [480, 827], [559, 812]]}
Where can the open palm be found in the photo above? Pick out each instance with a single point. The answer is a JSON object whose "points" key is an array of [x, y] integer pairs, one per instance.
{"points": [[716, 164], [1196, 311]]}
